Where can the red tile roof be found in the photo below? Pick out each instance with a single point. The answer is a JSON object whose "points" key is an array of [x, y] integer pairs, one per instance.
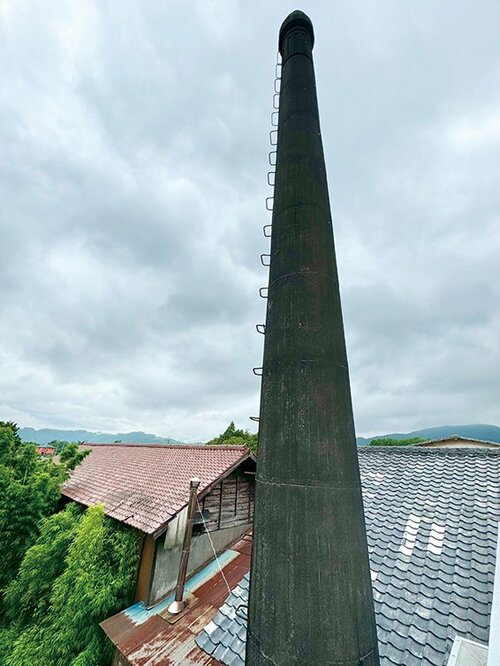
{"points": [[145, 485]]}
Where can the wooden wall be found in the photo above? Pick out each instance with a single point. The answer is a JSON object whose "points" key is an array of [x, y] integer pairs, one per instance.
{"points": [[146, 567], [230, 503]]}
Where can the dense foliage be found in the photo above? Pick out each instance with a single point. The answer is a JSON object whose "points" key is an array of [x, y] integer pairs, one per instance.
{"points": [[60, 444], [234, 437], [92, 562], [29, 491], [388, 441], [62, 573]]}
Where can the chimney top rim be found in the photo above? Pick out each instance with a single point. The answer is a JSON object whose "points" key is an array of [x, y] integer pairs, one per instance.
{"points": [[297, 19]]}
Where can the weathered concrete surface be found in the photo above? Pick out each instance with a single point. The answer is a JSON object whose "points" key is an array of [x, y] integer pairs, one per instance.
{"points": [[310, 596]]}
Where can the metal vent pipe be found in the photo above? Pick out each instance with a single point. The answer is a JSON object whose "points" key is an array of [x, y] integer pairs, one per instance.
{"points": [[179, 604]]}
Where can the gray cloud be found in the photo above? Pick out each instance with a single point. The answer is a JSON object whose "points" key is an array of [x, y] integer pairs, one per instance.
{"points": [[133, 179]]}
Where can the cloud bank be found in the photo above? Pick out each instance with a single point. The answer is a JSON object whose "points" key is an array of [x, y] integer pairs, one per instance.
{"points": [[133, 178]]}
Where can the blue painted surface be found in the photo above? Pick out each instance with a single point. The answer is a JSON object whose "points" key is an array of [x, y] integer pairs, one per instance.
{"points": [[138, 613]]}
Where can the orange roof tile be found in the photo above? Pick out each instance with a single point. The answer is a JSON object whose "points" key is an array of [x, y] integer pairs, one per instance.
{"points": [[145, 485]]}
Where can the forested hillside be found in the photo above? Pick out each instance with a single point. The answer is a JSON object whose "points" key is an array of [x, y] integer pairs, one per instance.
{"points": [[489, 433], [47, 435]]}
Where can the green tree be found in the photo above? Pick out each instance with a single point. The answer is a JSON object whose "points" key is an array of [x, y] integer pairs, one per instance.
{"points": [[27, 598], [60, 444], [9, 441], [388, 441], [29, 492], [72, 455], [7, 637], [235, 437], [97, 580], [62, 573]]}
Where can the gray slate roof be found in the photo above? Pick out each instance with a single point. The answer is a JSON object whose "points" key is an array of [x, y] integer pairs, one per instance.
{"points": [[432, 519]]}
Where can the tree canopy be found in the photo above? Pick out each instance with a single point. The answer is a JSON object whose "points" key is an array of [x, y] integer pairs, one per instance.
{"points": [[388, 441], [235, 437], [80, 571], [29, 492], [62, 573], [60, 444]]}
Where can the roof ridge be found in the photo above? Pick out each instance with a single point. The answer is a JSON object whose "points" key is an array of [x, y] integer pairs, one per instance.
{"points": [[419, 450], [145, 487], [156, 445], [456, 437]]}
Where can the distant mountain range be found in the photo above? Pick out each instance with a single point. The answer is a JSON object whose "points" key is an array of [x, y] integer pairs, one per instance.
{"points": [[490, 433], [47, 435]]}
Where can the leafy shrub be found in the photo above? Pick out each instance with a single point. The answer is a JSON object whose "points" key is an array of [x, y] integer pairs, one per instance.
{"points": [[97, 580]]}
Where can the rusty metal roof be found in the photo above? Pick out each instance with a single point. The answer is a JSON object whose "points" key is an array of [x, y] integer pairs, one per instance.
{"points": [[146, 637], [146, 485]]}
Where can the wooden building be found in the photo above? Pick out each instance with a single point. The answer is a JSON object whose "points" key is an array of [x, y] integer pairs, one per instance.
{"points": [[147, 488]]}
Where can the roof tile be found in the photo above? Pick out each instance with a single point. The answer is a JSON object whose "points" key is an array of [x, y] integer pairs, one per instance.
{"points": [[443, 507], [145, 485]]}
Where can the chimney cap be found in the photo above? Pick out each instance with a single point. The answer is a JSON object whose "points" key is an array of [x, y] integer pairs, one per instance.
{"points": [[296, 19]]}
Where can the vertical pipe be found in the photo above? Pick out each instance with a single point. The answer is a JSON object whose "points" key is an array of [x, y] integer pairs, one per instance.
{"points": [[310, 588], [179, 604]]}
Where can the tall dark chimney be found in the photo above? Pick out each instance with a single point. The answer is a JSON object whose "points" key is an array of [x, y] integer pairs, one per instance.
{"points": [[310, 591]]}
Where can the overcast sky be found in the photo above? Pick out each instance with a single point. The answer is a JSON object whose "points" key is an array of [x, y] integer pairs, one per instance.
{"points": [[133, 149]]}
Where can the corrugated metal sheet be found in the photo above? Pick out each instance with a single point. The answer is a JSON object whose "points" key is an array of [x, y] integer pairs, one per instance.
{"points": [[144, 486], [146, 638]]}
